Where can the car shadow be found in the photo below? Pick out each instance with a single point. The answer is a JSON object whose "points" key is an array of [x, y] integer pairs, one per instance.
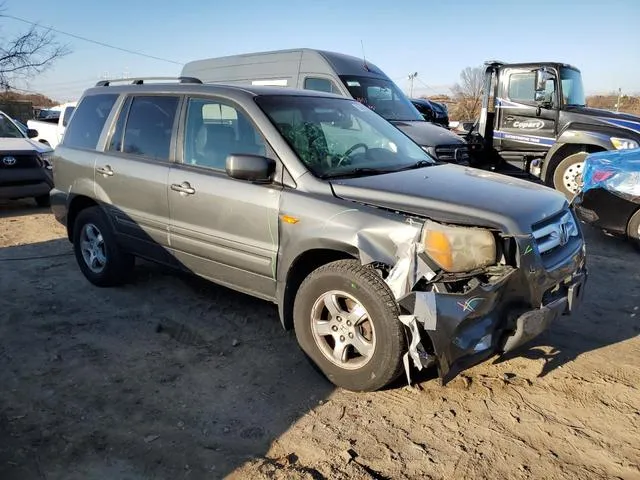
{"points": [[609, 313], [167, 376], [19, 208]]}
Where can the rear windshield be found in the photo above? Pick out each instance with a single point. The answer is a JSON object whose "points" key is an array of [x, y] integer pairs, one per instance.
{"points": [[382, 96]]}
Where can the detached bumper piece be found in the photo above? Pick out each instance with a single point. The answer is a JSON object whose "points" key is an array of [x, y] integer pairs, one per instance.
{"points": [[532, 323]]}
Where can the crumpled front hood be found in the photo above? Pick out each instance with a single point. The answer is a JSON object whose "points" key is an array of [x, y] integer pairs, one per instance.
{"points": [[427, 134], [23, 145], [454, 194]]}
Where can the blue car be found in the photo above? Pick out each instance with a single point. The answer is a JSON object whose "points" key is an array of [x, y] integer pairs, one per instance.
{"points": [[610, 195]]}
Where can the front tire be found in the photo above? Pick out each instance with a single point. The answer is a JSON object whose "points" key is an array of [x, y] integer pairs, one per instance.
{"points": [[567, 177], [633, 229], [99, 257], [346, 322]]}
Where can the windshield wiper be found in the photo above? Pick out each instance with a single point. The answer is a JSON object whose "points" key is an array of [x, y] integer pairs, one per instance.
{"points": [[356, 172], [418, 164], [361, 171]]}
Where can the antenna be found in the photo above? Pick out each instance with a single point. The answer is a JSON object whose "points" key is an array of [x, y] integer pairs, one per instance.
{"points": [[364, 58]]}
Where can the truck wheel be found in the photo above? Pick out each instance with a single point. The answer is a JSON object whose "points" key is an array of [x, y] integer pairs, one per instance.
{"points": [[98, 255], [346, 321], [43, 200], [567, 177], [633, 229]]}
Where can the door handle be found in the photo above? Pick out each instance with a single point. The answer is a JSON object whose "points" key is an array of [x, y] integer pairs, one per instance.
{"points": [[510, 118], [106, 170], [183, 187]]}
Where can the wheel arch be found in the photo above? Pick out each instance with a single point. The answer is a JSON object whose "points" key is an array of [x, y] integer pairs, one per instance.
{"points": [[573, 140], [635, 217], [302, 265], [77, 204]]}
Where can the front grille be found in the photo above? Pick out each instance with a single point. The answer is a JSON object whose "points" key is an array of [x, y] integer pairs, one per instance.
{"points": [[557, 237], [19, 160], [452, 153]]}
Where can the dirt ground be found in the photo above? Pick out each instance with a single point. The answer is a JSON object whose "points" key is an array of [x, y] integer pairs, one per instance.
{"points": [[172, 377]]}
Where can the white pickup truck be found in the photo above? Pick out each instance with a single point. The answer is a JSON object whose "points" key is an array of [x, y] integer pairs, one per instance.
{"points": [[50, 130]]}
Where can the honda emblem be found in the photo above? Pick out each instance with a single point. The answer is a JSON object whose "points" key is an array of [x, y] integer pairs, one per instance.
{"points": [[564, 234]]}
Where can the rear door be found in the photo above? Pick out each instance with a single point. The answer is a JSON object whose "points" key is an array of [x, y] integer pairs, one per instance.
{"points": [[521, 126], [131, 174], [221, 228]]}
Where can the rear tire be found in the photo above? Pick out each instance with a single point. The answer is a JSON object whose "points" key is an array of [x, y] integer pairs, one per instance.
{"points": [[43, 200], [358, 344], [99, 257], [567, 176], [633, 229]]}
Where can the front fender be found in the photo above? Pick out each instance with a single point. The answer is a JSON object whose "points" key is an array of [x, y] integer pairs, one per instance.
{"points": [[332, 224], [599, 139]]}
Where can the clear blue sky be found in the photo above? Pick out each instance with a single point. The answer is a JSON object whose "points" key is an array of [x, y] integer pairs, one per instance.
{"points": [[435, 38]]}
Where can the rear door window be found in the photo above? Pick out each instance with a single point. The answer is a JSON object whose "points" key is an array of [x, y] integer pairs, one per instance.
{"points": [[149, 126], [88, 121]]}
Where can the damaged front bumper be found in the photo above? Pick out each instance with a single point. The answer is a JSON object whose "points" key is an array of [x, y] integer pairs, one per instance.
{"points": [[498, 314]]}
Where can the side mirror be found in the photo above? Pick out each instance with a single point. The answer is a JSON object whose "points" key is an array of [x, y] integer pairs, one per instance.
{"points": [[251, 168], [540, 80], [31, 133], [541, 95]]}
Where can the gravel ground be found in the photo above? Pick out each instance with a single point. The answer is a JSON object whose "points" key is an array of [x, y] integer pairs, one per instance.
{"points": [[173, 377]]}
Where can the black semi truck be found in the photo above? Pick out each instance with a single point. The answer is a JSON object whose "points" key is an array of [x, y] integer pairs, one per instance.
{"points": [[534, 122]]}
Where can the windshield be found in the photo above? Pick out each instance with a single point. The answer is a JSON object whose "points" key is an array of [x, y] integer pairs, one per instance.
{"points": [[333, 137], [572, 89], [8, 129], [382, 96]]}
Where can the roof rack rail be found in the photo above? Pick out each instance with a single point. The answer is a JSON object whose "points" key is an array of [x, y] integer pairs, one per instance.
{"points": [[141, 80]]}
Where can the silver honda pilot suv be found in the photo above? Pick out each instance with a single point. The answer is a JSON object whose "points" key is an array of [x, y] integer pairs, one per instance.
{"points": [[383, 260]]}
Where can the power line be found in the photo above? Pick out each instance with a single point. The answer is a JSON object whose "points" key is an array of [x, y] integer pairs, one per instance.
{"points": [[430, 88], [8, 89], [96, 42]]}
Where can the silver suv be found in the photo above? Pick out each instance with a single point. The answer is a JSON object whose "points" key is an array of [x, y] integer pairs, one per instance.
{"points": [[380, 258]]}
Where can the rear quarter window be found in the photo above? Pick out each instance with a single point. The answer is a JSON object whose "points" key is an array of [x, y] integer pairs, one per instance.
{"points": [[67, 116], [320, 85], [88, 120]]}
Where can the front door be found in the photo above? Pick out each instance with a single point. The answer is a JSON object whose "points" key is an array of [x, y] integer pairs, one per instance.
{"points": [[221, 228], [132, 173], [522, 127]]}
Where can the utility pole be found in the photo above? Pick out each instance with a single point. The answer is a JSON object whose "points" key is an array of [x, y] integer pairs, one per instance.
{"points": [[619, 98], [412, 77]]}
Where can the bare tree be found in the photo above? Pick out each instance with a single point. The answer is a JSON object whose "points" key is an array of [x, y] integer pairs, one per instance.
{"points": [[28, 54], [468, 93]]}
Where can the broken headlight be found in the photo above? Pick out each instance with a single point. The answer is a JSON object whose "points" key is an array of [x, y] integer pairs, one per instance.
{"points": [[46, 159], [459, 249]]}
